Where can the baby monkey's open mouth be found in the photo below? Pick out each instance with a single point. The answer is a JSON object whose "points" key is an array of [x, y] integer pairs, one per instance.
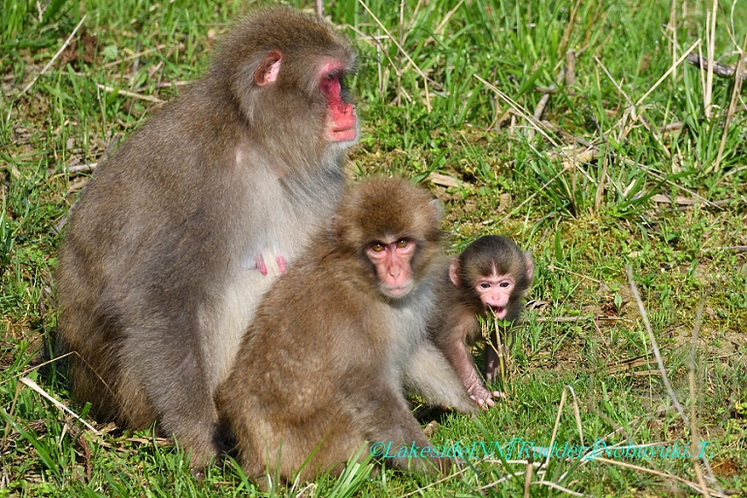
{"points": [[499, 311]]}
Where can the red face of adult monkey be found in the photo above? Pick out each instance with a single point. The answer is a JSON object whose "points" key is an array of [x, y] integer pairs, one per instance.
{"points": [[179, 233], [492, 273], [355, 306]]}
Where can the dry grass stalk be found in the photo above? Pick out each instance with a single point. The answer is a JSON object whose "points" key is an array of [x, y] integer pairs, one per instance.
{"points": [[436, 483], [694, 433], [655, 346], [528, 478], [736, 92], [134, 56], [711, 50], [446, 18], [57, 54], [403, 52], [669, 71], [33, 385], [664, 475], [672, 28], [570, 68], [569, 27], [134, 95]]}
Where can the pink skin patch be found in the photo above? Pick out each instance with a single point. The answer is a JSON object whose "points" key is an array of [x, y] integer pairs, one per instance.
{"points": [[342, 120], [494, 291], [392, 262]]}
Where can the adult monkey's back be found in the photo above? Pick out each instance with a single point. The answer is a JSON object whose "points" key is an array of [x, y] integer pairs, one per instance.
{"points": [[181, 231]]}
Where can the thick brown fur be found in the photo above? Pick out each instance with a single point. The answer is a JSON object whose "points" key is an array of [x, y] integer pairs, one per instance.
{"points": [[359, 349], [455, 325], [159, 275]]}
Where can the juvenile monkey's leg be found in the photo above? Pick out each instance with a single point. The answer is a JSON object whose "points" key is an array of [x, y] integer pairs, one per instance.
{"points": [[455, 350], [494, 354], [462, 361]]}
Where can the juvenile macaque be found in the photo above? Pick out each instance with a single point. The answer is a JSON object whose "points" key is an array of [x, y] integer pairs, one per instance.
{"points": [[180, 233], [334, 343], [491, 273]]}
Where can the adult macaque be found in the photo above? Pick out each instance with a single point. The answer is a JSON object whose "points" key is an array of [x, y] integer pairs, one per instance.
{"points": [[323, 365], [179, 234], [492, 273]]}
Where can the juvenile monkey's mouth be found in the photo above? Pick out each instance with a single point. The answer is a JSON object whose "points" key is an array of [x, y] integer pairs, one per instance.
{"points": [[499, 311], [396, 291]]}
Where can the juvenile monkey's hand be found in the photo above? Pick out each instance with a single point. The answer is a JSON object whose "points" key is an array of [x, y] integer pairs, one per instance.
{"points": [[483, 397]]}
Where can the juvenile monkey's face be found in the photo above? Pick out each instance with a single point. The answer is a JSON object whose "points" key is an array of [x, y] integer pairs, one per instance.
{"points": [[391, 258], [495, 292]]}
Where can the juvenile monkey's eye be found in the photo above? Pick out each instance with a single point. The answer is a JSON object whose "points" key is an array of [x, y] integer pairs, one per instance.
{"points": [[485, 285], [402, 243], [377, 247], [504, 284]]}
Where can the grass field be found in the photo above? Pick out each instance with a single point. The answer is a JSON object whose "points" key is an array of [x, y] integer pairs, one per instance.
{"points": [[577, 127]]}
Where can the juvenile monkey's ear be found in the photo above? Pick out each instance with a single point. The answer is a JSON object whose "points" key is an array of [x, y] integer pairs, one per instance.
{"points": [[267, 71], [530, 265], [454, 271]]}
